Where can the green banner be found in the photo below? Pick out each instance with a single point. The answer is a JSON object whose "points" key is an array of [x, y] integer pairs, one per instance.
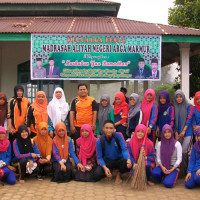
{"points": [[95, 57]]}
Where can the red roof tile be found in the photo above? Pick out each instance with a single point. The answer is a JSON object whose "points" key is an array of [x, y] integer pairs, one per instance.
{"points": [[88, 25], [55, 1]]}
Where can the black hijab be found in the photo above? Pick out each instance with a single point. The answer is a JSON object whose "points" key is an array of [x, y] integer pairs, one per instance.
{"points": [[24, 145], [19, 99]]}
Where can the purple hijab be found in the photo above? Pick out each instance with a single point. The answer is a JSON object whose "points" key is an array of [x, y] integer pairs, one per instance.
{"points": [[196, 146], [167, 147], [163, 107]]}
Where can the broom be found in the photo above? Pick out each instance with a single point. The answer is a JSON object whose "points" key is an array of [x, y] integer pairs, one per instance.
{"points": [[139, 180]]}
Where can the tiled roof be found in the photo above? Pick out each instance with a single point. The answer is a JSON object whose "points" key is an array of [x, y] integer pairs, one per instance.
{"points": [[88, 25], [55, 1]]}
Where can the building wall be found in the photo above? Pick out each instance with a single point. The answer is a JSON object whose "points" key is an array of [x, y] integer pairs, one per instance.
{"points": [[12, 54]]}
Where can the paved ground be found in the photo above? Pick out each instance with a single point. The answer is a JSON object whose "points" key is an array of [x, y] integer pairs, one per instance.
{"points": [[103, 190]]}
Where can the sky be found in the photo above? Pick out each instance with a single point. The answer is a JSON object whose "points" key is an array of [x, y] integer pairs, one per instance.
{"points": [[153, 11]]}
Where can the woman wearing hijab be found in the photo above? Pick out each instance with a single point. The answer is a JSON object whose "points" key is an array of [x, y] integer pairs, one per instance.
{"points": [[183, 124], [193, 173], [37, 112], [17, 109], [169, 157], [135, 147], [58, 110], [196, 115], [149, 113], [133, 114], [5, 158], [105, 112], [44, 144], [121, 109], [165, 112], [62, 147], [25, 152], [3, 110], [86, 152]]}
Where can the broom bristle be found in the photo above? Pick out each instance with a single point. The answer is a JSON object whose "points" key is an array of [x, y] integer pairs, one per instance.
{"points": [[139, 180]]}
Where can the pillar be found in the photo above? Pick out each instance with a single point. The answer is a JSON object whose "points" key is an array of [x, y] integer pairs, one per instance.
{"points": [[145, 86], [185, 68], [127, 87], [136, 87]]}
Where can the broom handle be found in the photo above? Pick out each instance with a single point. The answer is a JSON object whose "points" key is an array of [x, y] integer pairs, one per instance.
{"points": [[143, 145]]}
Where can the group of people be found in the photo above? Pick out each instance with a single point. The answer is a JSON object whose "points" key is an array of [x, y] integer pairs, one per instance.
{"points": [[45, 138]]}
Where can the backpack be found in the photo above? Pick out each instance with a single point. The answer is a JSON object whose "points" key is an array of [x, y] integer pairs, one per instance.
{"points": [[103, 143]]}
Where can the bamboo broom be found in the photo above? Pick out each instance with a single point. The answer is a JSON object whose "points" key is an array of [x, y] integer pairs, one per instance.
{"points": [[139, 180]]}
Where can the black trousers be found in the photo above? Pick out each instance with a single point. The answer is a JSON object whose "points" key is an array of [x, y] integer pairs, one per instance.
{"points": [[45, 169], [120, 164], [60, 176], [76, 135], [94, 175]]}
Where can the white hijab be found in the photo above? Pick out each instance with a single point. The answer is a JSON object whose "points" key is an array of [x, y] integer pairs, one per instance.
{"points": [[58, 108]]}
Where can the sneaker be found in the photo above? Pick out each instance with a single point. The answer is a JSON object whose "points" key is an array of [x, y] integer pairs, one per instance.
{"points": [[40, 178]]}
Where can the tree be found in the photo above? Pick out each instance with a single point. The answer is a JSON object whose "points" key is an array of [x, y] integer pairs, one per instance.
{"points": [[186, 13]]}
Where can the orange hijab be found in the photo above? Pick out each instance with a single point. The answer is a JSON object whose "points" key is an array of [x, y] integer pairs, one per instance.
{"points": [[61, 142], [44, 142], [41, 107]]}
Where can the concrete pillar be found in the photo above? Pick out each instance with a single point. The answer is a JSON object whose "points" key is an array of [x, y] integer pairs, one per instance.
{"points": [[0, 65], [98, 90], [122, 84], [185, 68], [127, 87], [136, 87], [145, 86]]}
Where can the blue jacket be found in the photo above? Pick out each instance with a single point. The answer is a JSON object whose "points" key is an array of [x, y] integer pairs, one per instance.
{"points": [[153, 116], [6, 156], [55, 74], [112, 150], [194, 163], [18, 155], [196, 117], [56, 156], [189, 131]]}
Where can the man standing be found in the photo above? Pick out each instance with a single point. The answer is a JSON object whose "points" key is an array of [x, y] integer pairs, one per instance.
{"points": [[142, 72], [154, 66], [83, 111], [53, 71], [112, 152], [39, 71]]}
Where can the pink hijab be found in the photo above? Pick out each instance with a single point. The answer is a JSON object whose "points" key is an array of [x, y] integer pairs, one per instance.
{"points": [[147, 106], [87, 145], [136, 144], [4, 144]]}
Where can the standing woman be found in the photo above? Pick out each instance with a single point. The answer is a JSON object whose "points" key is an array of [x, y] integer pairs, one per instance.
{"points": [[3, 110], [196, 116], [135, 147], [62, 147], [58, 110], [86, 151], [133, 114], [169, 157], [105, 112], [26, 152], [44, 144], [5, 158], [149, 113], [37, 112], [17, 109], [193, 173], [165, 112], [121, 109], [183, 124]]}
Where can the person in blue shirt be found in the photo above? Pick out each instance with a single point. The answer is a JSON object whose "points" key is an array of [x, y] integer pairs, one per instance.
{"points": [[135, 146], [25, 152], [112, 152], [149, 113], [193, 173], [133, 114], [62, 147], [183, 124], [5, 158], [165, 112], [196, 114]]}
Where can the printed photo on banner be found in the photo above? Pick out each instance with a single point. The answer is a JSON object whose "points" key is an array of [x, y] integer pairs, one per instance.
{"points": [[95, 57]]}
